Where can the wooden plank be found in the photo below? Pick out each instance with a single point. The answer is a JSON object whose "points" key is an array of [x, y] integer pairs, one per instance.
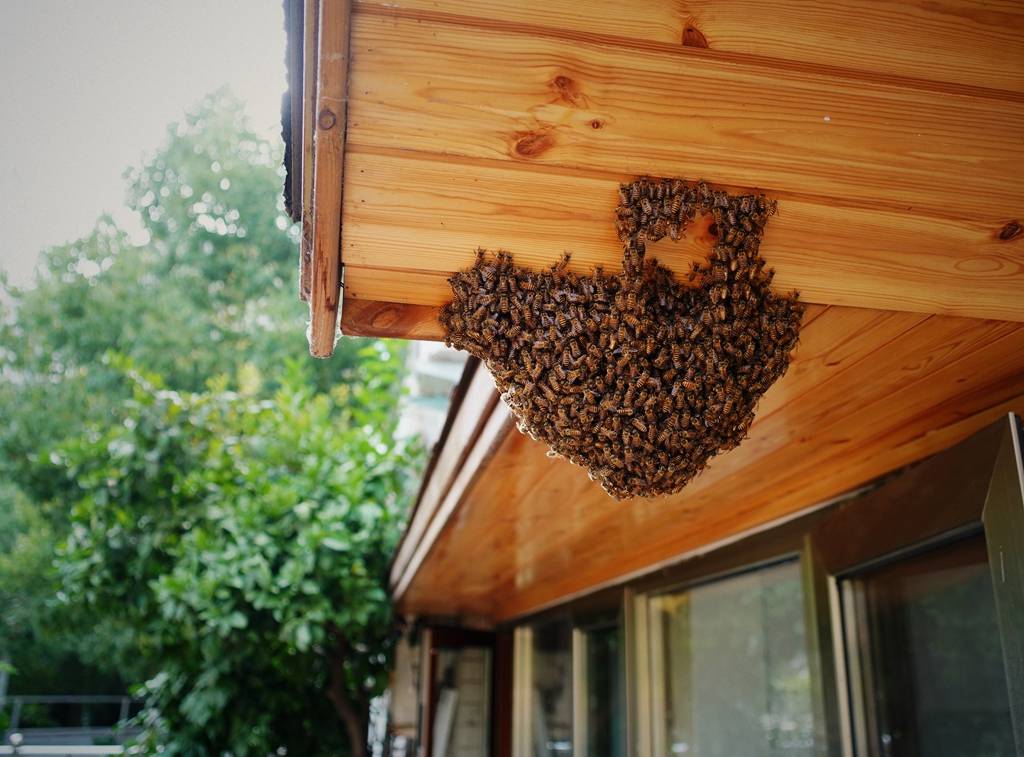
{"points": [[473, 411], [310, 53], [968, 42], [386, 320], [328, 168], [499, 95], [867, 392], [497, 426], [410, 220]]}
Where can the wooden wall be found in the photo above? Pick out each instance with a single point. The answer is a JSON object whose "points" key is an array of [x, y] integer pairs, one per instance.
{"points": [[891, 132]]}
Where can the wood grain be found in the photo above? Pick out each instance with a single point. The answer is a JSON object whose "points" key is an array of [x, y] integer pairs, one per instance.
{"points": [[868, 392], [476, 407], [500, 95], [966, 42], [310, 61], [328, 174], [390, 320], [410, 220]]}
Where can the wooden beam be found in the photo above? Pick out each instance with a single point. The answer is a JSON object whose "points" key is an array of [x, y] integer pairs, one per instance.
{"points": [[496, 428], [577, 105], [973, 43], [328, 162], [390, 320], [472, 413], [412, 219], [310, 53], [896, 193]]}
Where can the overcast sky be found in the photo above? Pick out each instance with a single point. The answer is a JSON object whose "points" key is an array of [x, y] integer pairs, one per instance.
{"points": [[89, 86]]}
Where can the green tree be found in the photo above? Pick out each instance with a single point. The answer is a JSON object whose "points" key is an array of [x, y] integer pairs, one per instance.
{"points": [[245, 539], [211, 293]]}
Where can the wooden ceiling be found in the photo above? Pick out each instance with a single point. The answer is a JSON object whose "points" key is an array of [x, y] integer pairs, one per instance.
{"points": [[891, 132], [506, 530]]}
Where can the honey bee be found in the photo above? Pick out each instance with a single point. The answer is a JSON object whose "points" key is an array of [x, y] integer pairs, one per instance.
{"points": [[666, 377]]}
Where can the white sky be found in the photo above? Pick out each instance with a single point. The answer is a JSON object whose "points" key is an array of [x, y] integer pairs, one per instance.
{"points": [[88, 87]]}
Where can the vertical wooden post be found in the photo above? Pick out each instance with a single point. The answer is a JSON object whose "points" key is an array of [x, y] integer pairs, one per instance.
{"points": [[310, 51], [328, 168]]}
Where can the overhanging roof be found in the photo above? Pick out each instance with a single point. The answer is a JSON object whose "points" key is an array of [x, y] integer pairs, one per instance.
{"points": [[889, 132], [503, 530]]}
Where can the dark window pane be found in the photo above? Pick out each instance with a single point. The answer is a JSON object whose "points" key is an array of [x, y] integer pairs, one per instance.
{"points": [[933, 669], [730, 673], [606, 705], [551, 690]]}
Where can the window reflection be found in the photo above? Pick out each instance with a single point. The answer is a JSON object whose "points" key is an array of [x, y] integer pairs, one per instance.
{"points": [[729, 667], [605, 703], [551, 689], [461, 726], [933, 675]]}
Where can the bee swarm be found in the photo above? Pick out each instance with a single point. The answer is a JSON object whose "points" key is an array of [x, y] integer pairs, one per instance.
{"points": [[638, 377]]}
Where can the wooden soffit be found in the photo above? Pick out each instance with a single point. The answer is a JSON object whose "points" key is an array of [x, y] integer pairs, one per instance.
{"points": [[892, 134], [502, 530]]}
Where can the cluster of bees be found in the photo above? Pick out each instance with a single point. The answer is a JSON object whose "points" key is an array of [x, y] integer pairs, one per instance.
{"points": [[639, 377]]}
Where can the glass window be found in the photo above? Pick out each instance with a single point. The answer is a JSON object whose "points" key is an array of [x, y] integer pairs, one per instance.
{"points": [[604, 706], [462, 708], [550, 700], [933, 679], [729, 668]]}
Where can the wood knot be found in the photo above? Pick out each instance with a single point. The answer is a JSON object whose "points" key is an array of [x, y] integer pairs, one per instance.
{"points": [[693, 37], [1012, 230], [568, 91], [326, 119], [597, 123], [530, 144], [386, 317]]}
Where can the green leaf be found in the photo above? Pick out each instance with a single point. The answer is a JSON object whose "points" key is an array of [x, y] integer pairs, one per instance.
{"points": [[335, 544]]}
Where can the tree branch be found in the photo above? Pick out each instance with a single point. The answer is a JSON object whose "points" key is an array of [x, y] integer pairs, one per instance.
{"points": [[352, 714]]}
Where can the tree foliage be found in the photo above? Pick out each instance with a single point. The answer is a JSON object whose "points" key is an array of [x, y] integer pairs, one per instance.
{"points": [[245, 538], [227, 505]]}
